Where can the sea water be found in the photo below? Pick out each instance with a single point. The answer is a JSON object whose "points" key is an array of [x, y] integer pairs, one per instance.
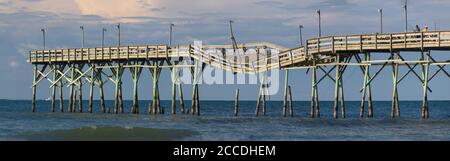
{"points": [[217, 122]]}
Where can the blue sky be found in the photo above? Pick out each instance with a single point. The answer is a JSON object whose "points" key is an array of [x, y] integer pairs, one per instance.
{"points": [[147, 22]]}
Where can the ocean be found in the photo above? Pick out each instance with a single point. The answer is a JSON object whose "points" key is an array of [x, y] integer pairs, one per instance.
{"points": [[217, 123]]}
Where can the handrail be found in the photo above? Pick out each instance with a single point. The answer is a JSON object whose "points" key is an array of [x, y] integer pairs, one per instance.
{"points": [[286, 57]]}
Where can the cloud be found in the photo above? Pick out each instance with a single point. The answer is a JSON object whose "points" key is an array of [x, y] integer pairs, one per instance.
{"points": [[118, 10], [13, 64]]}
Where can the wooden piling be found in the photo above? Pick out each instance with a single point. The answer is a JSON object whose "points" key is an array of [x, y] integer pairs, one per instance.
{"points": [[155, 108], [80, 91], [117, 89], [74, 102], [33, 97], [315, 112], [286, 81], [316, 94], [258, 101], [71, 86], [313, 91], [193, 99], [54, 87], [291, 108], [365, 87], [100, 87], [336, 88], [174, 91], [264, 93], [197, 103], [121, 97], [394, 111], [341, 83], [61, 86], [135, 72], [91, 87], [343, 113], [159, 110], [363, 97], [236, 101], [425, 71], [369, 89], [180, 93], [264, 104]]}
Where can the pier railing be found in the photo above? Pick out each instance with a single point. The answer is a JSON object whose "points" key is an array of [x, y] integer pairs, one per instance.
{"points": [[415, 41], [315, 49]]}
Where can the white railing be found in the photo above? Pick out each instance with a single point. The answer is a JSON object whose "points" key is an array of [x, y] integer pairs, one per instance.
{"points": [[287, 57]]}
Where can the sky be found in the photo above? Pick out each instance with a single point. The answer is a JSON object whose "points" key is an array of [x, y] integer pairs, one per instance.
{"points": [[147, 22]]}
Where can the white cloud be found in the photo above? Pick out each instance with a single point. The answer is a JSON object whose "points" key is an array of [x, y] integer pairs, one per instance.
{"points": [[13, 64]]}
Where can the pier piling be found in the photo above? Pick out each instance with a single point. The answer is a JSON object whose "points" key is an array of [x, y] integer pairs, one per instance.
{"points": [[135, 75], [71, 86], [33, 97], [395, 108], [80, 87], [337, 87], [174, 90], [425, 69], [91, 87], [100, 88], [291, 108], [54, 87], [286, 84], [61, 86], [236, 101]]}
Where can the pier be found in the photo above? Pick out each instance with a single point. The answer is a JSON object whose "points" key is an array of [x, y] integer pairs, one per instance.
{"points": [[76, 68]]}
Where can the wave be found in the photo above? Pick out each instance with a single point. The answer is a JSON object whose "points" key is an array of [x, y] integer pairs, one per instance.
{"points": [[109, 134]]}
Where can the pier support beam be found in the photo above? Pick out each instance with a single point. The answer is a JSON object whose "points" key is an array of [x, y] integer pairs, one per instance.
{"points": [[291, 108], [366, 91], [264, 102], [135, 74], [61, 86], [71, 87], [100, 88], [54, 87], [74, 102], [425, 75], [315, 112], [365, 70], [337, 87], [80, 89], [262, 95], [91, 87], [33, 97], [197, 100], [121, 95], [236, 101], [341, 82], [174, 89], [395, 104], [341, 85], [258, 102], [180, 93], [155, 106], [286, 84], [196, 72], [369, 101], [118, 80], [193, 99]]}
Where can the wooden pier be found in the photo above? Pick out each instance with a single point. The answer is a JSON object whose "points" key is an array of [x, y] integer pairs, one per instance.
{"points": [[94, 67]]}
